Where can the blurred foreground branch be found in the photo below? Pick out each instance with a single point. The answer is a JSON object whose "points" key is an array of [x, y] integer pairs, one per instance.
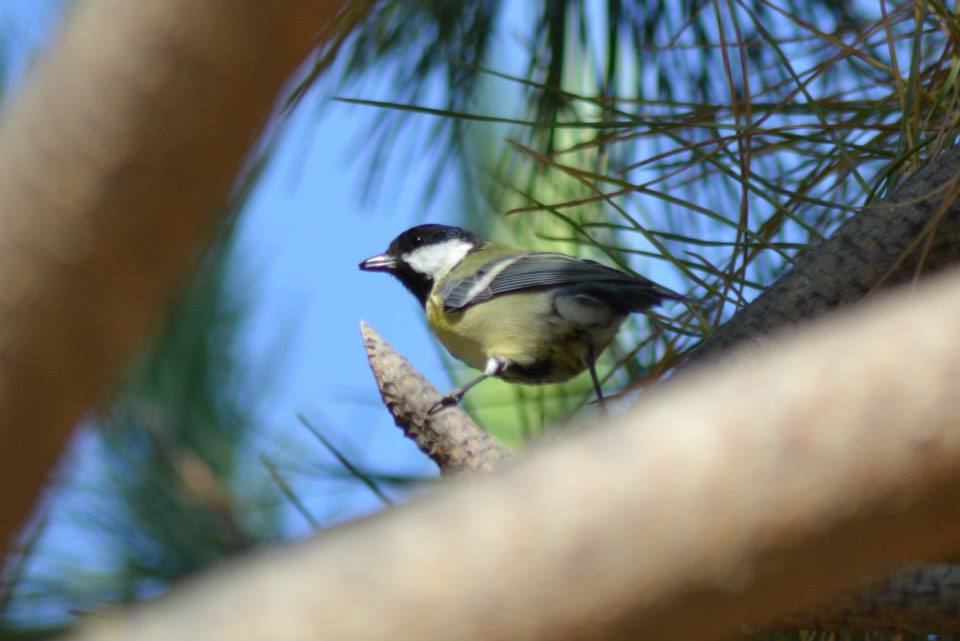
{"points": [[114, 164], [914, 231], [742, 491]]}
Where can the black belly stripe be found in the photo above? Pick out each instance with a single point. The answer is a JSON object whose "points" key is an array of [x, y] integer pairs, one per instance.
{"points": [[535, 372]]}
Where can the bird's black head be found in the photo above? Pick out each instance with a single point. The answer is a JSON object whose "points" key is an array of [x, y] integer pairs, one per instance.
{"points": [[422, 255]]}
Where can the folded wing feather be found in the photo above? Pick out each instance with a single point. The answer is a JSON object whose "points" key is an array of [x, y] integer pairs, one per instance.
{"points": [[571, 276]]}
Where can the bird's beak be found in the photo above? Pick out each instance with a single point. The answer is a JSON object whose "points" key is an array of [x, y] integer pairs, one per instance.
{"points": [[379, 263]]}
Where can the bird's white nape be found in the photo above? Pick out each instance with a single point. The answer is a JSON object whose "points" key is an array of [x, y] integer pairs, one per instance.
{"points": [[436, 260]]}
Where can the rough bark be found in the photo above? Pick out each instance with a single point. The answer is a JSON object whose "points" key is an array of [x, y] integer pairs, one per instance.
{"points": [[914, 601], [114, 163], [916, 230], [449, 437], [726, 500]]}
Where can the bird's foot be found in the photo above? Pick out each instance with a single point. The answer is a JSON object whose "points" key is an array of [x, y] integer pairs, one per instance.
{"points": [[450, 400]]}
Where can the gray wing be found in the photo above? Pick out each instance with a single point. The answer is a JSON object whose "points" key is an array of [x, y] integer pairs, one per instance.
{"points": [[574, 276]]}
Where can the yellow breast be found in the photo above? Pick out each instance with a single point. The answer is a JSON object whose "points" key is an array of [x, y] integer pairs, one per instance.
{"points": [[522, 329]]}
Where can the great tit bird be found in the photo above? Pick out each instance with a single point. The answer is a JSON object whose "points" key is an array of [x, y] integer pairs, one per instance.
{"points": [[523, 316]]}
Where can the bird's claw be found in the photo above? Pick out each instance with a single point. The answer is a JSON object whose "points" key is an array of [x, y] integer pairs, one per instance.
{"points": [[447, 401]]}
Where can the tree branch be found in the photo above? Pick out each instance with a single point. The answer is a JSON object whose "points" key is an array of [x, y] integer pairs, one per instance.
{"points": [[724, 501], [915, 601], [916, 230], [449, 437], [114, 163]]}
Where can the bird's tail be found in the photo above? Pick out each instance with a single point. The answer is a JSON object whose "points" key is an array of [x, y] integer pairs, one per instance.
{"points": [[649, 294]]}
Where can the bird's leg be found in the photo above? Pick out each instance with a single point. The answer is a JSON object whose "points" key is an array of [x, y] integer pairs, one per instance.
{"points": [[592, 366], [494, 366]]}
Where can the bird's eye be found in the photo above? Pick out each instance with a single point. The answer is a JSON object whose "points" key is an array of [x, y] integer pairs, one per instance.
{"points": [[418, 238]]}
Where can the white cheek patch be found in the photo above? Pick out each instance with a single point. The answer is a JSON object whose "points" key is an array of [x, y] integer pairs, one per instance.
{"points": [[436, 260]]}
